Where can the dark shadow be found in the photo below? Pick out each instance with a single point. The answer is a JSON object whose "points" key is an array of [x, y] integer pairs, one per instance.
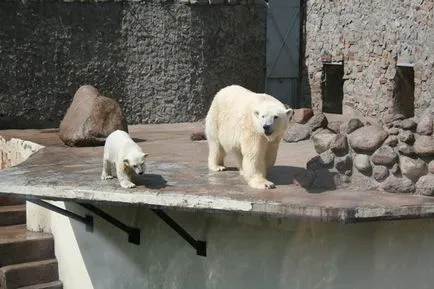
{"points": [[404, 91], [151, 181], [323, 180], [138, 140], [332, 87], [314, 181], [97, 142], [232, 169], [284, 175], [305, 99]]}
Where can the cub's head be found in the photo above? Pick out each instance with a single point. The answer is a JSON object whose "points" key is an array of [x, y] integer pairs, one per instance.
{"points": [[272, 120], [136, 162]]}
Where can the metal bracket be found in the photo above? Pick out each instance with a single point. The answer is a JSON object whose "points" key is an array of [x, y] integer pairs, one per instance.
{"points": [[133, 233], [200, 246], [87, 219]]}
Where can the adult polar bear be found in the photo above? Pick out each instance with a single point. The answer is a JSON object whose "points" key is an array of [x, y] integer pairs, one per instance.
{"points": [[250, 125]]}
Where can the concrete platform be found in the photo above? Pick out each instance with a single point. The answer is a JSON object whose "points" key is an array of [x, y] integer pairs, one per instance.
{"points": [[178, 178]]}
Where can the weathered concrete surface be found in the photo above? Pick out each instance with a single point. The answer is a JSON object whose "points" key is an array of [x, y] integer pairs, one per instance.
{"points": [[62, 173], [162, 61]]}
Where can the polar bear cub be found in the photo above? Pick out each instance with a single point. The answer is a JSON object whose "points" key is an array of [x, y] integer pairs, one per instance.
{"points": [[121, 152], [250, 125]]}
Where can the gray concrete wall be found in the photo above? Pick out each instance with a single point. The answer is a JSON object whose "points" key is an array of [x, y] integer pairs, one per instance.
{"points": [[370, 37], [243, 252], [163, 60]]}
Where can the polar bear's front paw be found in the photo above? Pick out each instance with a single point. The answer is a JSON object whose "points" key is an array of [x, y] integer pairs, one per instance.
{"points": [[106, 177], [262, 184], [127, 185], [218, 168]]}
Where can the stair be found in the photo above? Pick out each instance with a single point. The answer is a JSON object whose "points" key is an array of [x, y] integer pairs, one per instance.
{"points": [[27, 259], [6, 200], [12, 215], [17, 245], [26, 274], [50, 285]]}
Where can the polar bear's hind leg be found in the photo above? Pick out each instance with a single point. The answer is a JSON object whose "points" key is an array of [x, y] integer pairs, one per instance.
{"points": [[216, 156]]}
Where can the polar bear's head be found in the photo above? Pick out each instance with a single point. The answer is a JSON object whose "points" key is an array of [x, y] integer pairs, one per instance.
{"points": [[272, 120], [136, 161]]}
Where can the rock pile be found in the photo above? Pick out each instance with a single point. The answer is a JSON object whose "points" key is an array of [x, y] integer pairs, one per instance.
{"points": [[397, 157]]}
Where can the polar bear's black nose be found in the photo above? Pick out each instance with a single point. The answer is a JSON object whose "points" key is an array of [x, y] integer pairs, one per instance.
{"points": [[140, 173], [266, 127]]}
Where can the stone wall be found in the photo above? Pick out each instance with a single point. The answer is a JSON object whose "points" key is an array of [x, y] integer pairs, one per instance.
{"points": [[369, 37], [397, 157], [163, 60]]}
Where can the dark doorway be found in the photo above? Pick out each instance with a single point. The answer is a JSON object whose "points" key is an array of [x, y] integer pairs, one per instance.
{"points": [[404, 90], [332, 87]]}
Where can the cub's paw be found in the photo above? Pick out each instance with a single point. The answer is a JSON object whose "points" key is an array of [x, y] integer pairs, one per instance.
{"points": [[218, 168], [127, 185], [262, 184], [106, 177]]}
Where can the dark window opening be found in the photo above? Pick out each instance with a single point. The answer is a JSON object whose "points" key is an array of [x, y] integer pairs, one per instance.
{"points": [[332, 87], [404, 90]]}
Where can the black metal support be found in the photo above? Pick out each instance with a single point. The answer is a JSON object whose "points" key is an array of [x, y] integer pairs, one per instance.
{"points": [[200, 246], [87, 219], [133, 233]]}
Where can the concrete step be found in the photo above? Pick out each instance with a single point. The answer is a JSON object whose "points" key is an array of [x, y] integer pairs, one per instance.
{"points": [[12, 215], [27, 274], [50, 285], [17, 245], [6, 200]]}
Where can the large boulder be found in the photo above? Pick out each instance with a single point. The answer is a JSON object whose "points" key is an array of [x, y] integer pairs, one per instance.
{"points": [[317, 121], [362, 163], [322, 142], [385, 156], [339, 145], [413, 168], [367, 139], [397, 185], [302, 115], [424, 146], [351, 125], [425, 185], [431, 167], [335, 126], [90, 118], [408, 124], [425, 125], [380, 173], [297, 132]]}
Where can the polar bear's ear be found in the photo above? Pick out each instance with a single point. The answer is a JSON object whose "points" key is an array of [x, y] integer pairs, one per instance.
{"points": [[256, 113], [289, 112], [126, 162], [145, 155]]}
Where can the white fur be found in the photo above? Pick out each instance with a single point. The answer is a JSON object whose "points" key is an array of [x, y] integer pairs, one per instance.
{"points": [[234, 123], [121, 152]]}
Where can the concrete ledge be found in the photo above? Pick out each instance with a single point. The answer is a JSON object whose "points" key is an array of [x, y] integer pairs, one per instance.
{"points": [[178, 178]]}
